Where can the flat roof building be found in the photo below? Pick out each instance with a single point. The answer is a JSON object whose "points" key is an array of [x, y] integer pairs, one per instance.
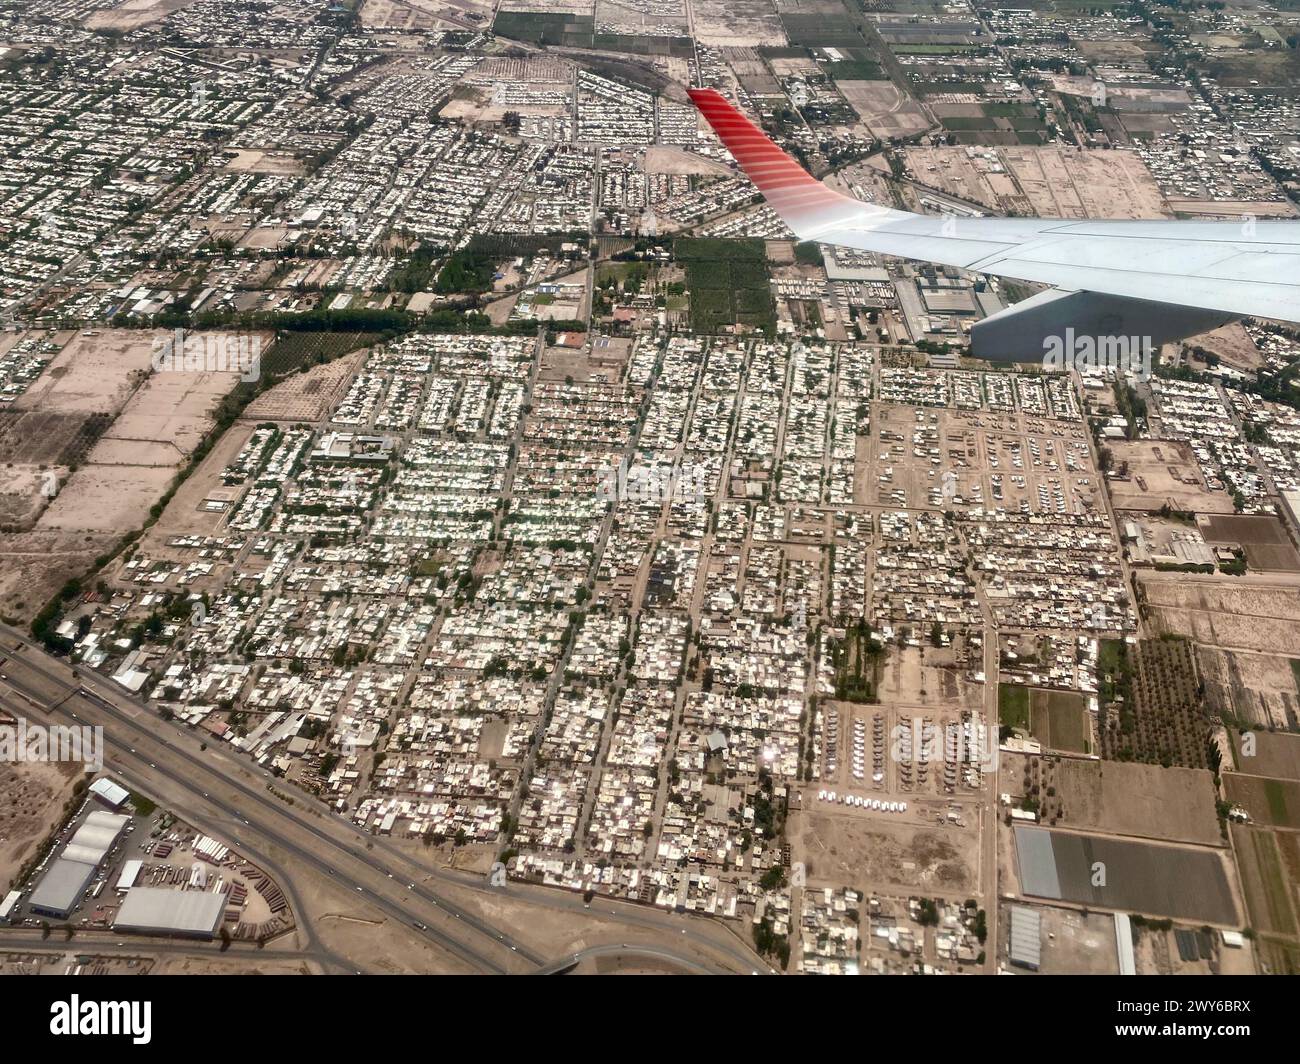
{"points": [[160, 911], [66, 880]]}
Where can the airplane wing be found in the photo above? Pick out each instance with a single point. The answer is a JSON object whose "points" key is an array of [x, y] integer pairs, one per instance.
{"points": [[1163, 279]]}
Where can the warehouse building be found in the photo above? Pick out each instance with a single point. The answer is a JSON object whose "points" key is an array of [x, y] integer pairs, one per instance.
{"points": [[67, 878], [161, 911]]}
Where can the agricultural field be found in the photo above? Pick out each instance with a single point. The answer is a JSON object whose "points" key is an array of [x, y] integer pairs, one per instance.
{"points": [[1270, 802], [1276, 754], [1269, 869], [729, 284], [1060, 721], [1119, 798], [1147, 878], [1159, 719], [1254, 690]]}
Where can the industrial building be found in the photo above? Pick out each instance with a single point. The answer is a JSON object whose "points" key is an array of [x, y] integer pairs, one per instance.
{"points": [[161, 911], [67, 878]]}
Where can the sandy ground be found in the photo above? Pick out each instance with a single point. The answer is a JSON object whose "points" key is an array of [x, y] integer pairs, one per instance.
{"points": [[868, 851], [31, 802]]}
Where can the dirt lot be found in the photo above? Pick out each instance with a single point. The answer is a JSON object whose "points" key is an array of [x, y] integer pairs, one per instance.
{"points": [[1160, 472], [31, 802], [868, 852], [1073, 943]]}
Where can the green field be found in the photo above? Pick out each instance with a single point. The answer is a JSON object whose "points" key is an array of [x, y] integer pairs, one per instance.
{"points": [[729, 283], [1013, 706]]}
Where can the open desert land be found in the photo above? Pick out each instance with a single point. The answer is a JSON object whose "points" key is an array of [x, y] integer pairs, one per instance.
{"points": [[1259, 690], [1161, 472], [32, 796], [1236, 614]]}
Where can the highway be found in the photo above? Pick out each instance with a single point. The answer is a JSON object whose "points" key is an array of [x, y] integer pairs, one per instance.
{"points": [[219, 792]]}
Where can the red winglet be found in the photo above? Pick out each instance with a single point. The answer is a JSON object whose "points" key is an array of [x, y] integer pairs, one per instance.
{"points": [[798, 197]]}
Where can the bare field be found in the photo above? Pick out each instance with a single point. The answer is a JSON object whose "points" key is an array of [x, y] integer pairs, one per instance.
{"points": [[184, 514], [93, 374], [737, 23], [1064, 183], [132, 14], [1128, 798], [1256, 689], [1236, 615], [1233, 345], [1276, 755], [666, 159], [34, 565], [1265, 540], [887, 110], [252, 161]]}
